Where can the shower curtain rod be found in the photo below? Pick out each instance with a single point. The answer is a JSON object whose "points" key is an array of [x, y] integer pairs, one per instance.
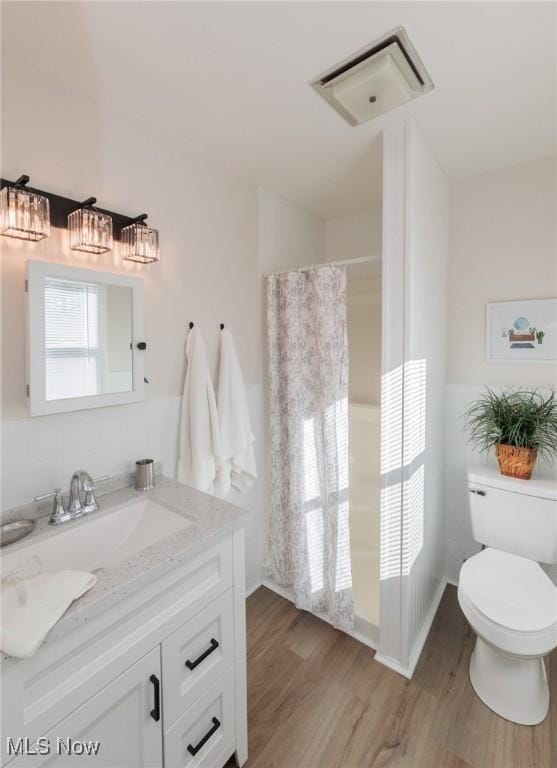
{"points": [[342, 263]]}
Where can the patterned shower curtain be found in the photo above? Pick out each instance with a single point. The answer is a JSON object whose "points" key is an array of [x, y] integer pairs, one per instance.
{"points": [[309, 539]]}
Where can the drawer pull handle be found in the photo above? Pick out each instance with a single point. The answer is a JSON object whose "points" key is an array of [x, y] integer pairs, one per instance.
{"points": [[212, 647], [478, 493], [156, 712], [213, 729]]}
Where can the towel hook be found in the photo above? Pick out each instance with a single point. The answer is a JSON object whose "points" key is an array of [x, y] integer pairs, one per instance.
{"points": [[191, 326], [222, 326]]}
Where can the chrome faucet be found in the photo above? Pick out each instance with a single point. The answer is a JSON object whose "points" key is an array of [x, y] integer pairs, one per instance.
{"points": [[81, 482]]}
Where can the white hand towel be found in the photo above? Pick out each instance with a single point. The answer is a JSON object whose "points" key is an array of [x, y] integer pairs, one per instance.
{"points": [[31, 607], [237, 467], [199, 429]]}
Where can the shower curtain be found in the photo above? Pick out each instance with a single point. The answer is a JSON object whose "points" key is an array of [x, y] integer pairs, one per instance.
{"points": [[309, 540]]}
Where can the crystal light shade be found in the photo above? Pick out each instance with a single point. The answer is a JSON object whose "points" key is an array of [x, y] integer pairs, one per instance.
{"points": [[141, 243], [90, 231], [24, 214]]}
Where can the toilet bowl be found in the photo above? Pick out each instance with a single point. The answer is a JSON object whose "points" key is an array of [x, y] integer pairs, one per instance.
{"points": [[508, 599], [511, 605]]}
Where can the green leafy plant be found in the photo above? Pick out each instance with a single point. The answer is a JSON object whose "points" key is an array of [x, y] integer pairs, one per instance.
{"points": [[539, 336], [519, 417]]}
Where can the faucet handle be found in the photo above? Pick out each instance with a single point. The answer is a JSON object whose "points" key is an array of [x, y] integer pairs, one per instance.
{"points": [[49, 495], [90, 502], [59, 514], [57, 506], [89, 486]]}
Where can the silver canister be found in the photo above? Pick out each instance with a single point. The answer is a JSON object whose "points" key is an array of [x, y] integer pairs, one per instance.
{"points": [[144, 474]]}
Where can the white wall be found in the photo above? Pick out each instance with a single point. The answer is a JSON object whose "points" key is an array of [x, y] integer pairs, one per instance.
{"points": [[415, 255], [503, 246], [363, 319], [424, 383], [207, 273], [288, 236], [354, 236]]}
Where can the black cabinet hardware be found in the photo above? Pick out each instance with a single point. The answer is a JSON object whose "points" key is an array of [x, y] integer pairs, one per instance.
{"points": [[200, 744], [478, 493], [156, 712], [141, 345], [212, 647]]}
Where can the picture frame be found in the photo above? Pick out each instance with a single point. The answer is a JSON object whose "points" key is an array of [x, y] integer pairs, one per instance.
{"points": [[523, 331]]}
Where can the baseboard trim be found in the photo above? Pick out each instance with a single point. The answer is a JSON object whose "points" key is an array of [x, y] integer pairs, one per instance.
{"points": [[426, 626], [359, 635], [392, 664], [253, 588], [420, 642], [278, 589], [365, 632]]}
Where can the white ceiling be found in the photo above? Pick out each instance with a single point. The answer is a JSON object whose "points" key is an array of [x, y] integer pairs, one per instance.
{"points": [[230, 81]]}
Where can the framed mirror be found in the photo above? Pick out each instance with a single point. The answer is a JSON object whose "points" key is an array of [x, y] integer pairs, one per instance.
{"points": [[83, 331]]}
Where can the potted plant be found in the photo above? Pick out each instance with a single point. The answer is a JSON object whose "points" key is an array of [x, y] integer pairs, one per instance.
{"points": [[520, 424]]}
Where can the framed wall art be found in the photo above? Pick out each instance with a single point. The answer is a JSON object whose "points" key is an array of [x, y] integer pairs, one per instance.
{"points": [[522, 331]]}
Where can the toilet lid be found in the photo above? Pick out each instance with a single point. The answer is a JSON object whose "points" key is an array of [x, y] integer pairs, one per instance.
{"points": [[510, 590]]}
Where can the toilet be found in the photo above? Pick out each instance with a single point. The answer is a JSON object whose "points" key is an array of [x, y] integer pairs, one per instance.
{"points": [[509, 600]]}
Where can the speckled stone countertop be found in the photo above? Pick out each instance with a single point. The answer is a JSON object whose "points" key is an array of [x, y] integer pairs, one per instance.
{"points": [[209, 518]]}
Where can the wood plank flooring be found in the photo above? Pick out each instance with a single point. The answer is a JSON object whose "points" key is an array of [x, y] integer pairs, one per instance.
{"points": [[317, 699]]}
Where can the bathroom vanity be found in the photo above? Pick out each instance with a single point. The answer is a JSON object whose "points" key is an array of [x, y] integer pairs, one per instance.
{"points": [[151, 662]]}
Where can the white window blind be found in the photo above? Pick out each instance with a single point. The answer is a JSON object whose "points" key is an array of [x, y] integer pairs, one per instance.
{"points": [[71, 338]]}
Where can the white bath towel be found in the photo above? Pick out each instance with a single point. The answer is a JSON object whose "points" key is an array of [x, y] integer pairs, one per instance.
{"points": [[31, 607], [237, 467], [199, 428]]}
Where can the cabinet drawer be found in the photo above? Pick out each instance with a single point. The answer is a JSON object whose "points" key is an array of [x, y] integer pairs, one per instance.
{"points": [[205, 734], [195, 655]]}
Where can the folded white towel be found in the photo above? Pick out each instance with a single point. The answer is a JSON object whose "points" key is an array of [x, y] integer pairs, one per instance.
{"points": [[199, 429], [237, 466], [31, 607]]}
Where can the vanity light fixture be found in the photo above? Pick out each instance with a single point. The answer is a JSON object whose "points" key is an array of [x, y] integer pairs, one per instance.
{"points": [[90, 230], [140, 241], [24, 214], [29, 213]]}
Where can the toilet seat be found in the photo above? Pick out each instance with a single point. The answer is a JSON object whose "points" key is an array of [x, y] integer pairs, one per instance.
{"points": [[510, 601]]}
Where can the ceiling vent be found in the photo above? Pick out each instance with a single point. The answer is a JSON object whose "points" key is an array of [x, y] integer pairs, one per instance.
{"points": [[376, 79]]}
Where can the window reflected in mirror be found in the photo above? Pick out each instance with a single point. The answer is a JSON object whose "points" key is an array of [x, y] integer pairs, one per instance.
{"points": [[88, 338]]}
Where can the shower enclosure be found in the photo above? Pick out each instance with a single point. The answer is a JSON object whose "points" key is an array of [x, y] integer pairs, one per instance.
{"points": [[395, 414], [324, 350]]}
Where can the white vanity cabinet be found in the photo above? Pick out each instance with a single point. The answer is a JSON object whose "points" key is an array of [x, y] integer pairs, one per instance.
{"points": [[120, 718], [159, 678]]}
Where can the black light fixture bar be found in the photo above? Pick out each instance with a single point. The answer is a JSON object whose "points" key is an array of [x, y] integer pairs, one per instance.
{"points": [[22, 181], [89, 203], [141, 219], [61, 207]]}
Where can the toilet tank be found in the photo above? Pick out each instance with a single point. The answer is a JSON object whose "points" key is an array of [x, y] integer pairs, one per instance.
{"points": [[516, 516]]}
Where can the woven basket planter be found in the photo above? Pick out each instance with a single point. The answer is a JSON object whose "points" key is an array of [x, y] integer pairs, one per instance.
{"points": [[516, 462]]}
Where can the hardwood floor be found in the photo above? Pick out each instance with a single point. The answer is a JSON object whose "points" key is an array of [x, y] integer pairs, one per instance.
{"points": [[317, 699]]}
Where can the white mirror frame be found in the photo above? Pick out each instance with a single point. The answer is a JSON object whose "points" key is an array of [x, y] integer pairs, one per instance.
{"points": [[37, 404]]}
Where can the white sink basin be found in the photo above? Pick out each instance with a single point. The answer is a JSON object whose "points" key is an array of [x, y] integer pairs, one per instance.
{"points": [[97, 541]]}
